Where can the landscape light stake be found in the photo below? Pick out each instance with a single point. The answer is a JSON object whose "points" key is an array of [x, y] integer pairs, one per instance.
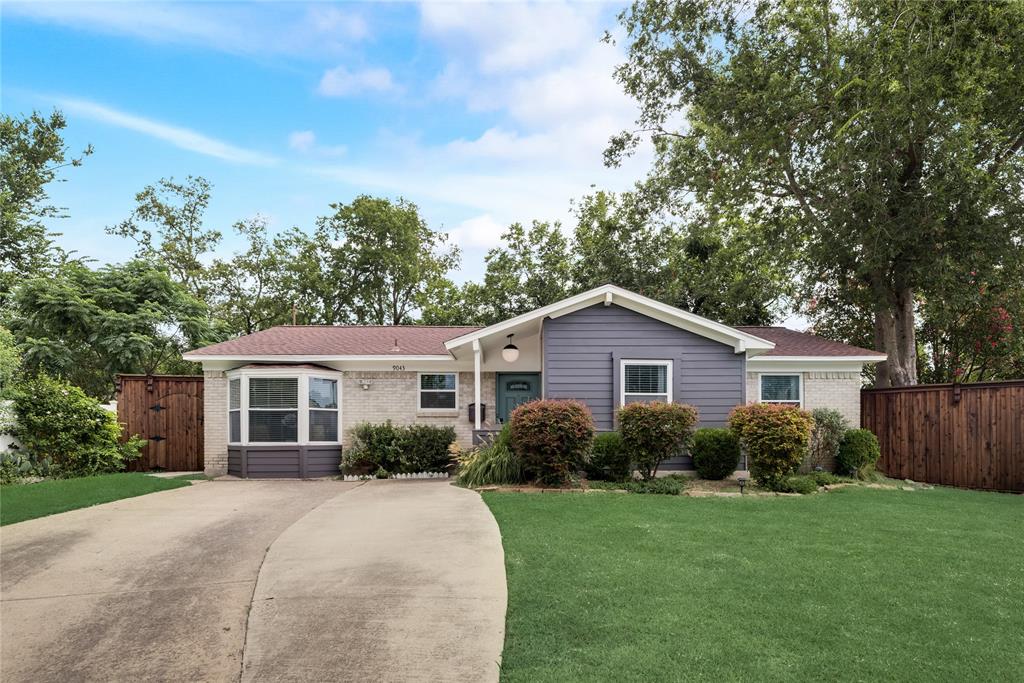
{"points": [[742, 482]]}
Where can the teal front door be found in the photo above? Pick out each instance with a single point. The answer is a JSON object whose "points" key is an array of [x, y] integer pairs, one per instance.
{"points": [[514, 390]]}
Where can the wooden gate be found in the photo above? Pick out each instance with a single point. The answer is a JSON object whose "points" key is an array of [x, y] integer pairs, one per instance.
{"points": [[167, 411], [967, 435]]}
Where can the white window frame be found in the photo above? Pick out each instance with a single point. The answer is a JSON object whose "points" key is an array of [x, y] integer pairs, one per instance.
{"points": [[303, 376], [800, 388], [235, 410], [420, 390], [309, 409], [669, 378]]}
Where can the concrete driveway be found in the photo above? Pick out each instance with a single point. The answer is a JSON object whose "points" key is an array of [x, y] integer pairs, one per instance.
{"points": [[381, 581]]}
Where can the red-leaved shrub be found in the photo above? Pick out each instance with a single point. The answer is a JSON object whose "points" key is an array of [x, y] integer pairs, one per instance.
{"points": [[775, 436], [552, 438], [655, 431]]}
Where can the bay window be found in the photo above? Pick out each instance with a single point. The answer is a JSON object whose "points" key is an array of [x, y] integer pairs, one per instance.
{"points": [[281, 407], [643, 381]]}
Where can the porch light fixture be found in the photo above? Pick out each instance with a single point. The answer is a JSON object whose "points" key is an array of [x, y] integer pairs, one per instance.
{"points": [[365, 385], [510, 353]]}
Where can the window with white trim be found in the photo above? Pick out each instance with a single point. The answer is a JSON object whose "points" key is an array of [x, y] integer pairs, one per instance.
{"points": [[235, 410], [273, 409], [780, 389], [438, 391], [323, 409], [644, 381]]}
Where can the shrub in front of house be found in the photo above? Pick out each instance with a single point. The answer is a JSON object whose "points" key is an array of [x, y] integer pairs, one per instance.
{"points": [[65, 433], [491, 463], [671, 485], [609, 458], [829, 429], [798, 483], [656, 431], [397, 449], [858, 453], [775, 437], [716, 452], [552, 439]]}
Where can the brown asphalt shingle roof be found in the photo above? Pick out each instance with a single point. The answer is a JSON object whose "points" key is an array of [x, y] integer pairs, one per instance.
{"points": [[792, 343], [341, 340], [423, 340]]}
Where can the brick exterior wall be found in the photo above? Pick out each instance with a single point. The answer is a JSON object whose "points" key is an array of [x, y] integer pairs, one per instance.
{"points": [[823, 389], [394, 396], [215, 423]]}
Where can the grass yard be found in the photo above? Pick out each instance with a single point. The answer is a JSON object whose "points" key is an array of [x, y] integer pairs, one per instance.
{"points": [[19, 502], [853, 585]]}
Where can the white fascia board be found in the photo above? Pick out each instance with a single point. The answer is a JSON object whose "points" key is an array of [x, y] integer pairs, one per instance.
{"points": [[636, 302], [311, 359], [813, 359]]}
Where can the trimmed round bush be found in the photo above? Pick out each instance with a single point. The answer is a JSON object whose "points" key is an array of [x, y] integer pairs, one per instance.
{"points": [[858, 452], [552, 439], [609, 458], [399, 449], [829, 429], [716, 452], [656, 431], [775, 436]]}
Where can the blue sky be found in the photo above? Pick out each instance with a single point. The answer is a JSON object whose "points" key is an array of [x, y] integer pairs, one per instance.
{"points": [[483, 114]]}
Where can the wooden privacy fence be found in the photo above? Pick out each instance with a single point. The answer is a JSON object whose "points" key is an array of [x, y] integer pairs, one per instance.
{"points": [[967, 435], [167, 411]]}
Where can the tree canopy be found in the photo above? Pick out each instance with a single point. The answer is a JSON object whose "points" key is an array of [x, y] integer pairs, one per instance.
{"points": [[884, 138]]}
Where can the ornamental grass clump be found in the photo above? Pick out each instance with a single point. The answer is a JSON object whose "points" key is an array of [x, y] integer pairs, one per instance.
{"points": [[493, 463], [552, 439], [656, 431], [775, 436]]}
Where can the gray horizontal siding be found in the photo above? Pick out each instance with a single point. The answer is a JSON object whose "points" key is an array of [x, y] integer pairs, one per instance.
{"points": [[582, 351], [284, 461]]}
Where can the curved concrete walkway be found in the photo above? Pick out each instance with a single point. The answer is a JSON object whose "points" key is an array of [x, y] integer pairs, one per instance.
{"points": [[392, 581]]}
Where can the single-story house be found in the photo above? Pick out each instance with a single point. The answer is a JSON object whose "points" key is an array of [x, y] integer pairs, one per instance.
{"points": [[281, 402]]}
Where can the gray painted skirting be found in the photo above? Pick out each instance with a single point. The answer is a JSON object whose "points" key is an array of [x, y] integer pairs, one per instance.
{"points": [[286, 461]]}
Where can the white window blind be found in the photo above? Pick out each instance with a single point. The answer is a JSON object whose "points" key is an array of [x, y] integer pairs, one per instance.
{"points": [[273, 392], [646, 381], [438, 391], [780, 389]]}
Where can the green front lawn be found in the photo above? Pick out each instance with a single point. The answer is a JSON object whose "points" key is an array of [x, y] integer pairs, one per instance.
{"points": [[19, 502], [857, 584]]}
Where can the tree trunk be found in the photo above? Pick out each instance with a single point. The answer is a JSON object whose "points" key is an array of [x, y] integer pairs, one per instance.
{"points": [[894, 336]]}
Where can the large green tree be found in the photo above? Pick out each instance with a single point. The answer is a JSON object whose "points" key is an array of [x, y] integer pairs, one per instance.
{"points": [[168, 225], [248, 292], [373, 261], [89, 325], [32, 154], [882, 136]]}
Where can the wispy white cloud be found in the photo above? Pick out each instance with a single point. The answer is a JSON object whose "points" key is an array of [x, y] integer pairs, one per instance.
{"points": [[183, 138], [265, 29], [305, 141], [343, 82]]}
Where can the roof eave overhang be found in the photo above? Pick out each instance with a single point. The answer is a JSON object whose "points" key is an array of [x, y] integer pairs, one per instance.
{"points": [[836, 359], [302, 358]]}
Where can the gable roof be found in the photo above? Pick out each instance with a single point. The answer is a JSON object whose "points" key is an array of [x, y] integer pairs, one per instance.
{"points": [[610, 294], [791, 343], [325, 341]]}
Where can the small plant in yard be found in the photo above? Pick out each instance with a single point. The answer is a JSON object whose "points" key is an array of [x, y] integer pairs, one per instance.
{"points": [[858, 453], [64, 433], [776, 438], [381, 473], [797, 483], [609, 458], [551, 438], [656, 431], [829, 428], [491, 463], [716, 452], [671, 485]]}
